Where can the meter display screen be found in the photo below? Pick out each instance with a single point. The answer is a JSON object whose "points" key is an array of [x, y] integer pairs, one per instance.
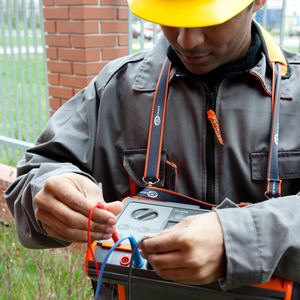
{"points": [[170, 224]]}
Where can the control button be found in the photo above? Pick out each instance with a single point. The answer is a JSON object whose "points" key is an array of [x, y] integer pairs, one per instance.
{"points": [[145, 214], [123, 226], [143, 229], [179, 217]]}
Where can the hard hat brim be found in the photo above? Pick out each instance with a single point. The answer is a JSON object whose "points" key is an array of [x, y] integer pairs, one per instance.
{"points": [[187, 13]]}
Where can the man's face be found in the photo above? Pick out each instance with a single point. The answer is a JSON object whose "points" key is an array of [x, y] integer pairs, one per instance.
{"points": [[204, 49]]}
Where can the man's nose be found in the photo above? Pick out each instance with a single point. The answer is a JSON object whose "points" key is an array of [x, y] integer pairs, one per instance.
{"points": [[189, 38]]}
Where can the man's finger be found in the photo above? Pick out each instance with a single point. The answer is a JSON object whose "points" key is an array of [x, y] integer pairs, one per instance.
{"points": [[70, 217], [114, 207], [80, 197], [66, 213], [56, 234], [44, 216], [59, 236], [60, 230], [163, 243], [170, 260], [65, 192], [185, 275]]}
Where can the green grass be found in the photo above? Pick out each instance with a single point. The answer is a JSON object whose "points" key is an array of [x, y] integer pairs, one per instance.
{"points": [[10, 161], [27, 274]]}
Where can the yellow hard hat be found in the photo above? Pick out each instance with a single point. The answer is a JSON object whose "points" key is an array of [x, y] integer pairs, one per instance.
{"points": [[187, 13]]}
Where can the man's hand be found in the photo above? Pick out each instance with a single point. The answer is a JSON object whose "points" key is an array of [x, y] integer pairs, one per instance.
{"points": [[64, 204], [191, 252]]}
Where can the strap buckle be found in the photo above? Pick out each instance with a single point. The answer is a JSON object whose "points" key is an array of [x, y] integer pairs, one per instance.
{"points": [[150, 183], [268, 198]]}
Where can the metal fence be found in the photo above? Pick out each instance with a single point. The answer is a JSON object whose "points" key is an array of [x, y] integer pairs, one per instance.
{"points": [[24, 106], [136, 40]]}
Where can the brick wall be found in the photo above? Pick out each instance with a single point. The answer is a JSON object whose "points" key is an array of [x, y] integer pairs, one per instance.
{"points": [[81, 37]]}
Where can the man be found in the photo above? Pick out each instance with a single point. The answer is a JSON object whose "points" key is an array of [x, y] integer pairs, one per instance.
{"points": [[220, 64]]}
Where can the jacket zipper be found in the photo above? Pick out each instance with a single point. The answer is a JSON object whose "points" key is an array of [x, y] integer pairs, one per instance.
{"points": [[210, 147], [211, 97]]}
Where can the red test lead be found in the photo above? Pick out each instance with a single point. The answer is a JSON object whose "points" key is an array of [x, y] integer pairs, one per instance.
{"points": [[115, 234]]}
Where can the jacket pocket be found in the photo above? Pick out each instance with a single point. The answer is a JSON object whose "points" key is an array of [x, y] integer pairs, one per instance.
{"points": [[134, 163], [288, 165]]}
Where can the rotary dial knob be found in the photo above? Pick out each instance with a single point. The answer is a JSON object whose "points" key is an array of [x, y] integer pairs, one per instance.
{"points": [[145, 214]]}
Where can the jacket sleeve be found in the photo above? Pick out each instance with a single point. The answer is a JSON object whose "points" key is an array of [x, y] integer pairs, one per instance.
{"points": [[65, 145], [261, 240]]}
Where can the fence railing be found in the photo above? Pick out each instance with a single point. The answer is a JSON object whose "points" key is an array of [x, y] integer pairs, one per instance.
{"points": [[136, 39], [24, 107]]}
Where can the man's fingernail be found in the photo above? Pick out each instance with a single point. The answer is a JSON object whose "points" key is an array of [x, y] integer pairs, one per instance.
{"points": [[111, 221], [106, 236], [109, 230]]}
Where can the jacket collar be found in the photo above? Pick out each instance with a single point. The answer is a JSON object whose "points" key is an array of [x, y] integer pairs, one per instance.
{"points": [[260, 71], [148, 74], [272, 52]]}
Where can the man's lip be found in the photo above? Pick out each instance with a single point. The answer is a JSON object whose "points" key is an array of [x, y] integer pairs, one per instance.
{"points": [[194, 59]]}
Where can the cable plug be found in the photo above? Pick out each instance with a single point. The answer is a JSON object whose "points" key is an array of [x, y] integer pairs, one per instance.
{"points": [[137, 260]]}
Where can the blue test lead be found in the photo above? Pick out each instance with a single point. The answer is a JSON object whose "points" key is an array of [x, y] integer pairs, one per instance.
{"points": [[137, 260]]}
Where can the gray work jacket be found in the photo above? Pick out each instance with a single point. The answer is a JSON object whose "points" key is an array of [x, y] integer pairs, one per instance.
{"points": [[103, 130]]}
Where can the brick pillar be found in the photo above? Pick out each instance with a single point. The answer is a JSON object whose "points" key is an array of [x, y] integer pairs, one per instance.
{"points": [[81, 37]]}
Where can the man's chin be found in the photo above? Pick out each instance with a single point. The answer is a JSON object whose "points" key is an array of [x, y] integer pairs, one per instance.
{"points": [[199, 70]]}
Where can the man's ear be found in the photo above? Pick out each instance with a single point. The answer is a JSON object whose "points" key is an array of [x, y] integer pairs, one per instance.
{"points": [[258, 4]]}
